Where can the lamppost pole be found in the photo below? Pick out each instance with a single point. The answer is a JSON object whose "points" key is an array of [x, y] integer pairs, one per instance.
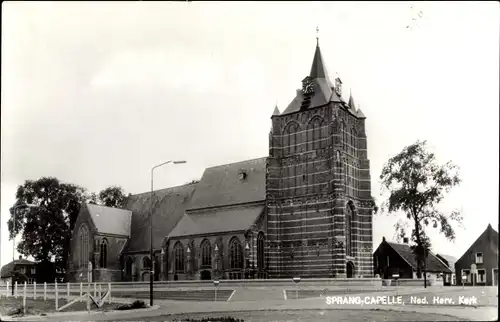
{"points": [[151, 230]]}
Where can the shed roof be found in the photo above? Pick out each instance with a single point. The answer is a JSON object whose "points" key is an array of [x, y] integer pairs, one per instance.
{"points": [[433, 264], [168, 208], [110, 220], [231, 184], [216, 221]]}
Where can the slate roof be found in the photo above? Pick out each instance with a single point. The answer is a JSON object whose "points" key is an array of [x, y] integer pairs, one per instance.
{"points": [[110, 220], [276, 111], [323, 89], [168, 209], [216, 221], [360, 114], [318, 68], [221, 185], [491, 235], [352, 104], [7, 269], [433, 264], [450, 260]]}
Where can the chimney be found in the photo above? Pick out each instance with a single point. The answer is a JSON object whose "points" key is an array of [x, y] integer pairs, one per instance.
{"points": [[405, 240], [383, 239], [20, 256]]}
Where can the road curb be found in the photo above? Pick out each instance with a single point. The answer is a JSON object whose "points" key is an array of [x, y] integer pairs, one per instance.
{"points": [[392, 309], [73, 313]]}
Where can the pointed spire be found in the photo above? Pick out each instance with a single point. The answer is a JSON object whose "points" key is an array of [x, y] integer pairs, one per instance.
{"points": [[360, 114], [351, 103], [276, 111], [318, 68]]}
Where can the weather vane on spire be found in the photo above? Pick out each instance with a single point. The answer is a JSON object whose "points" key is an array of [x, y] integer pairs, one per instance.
{"points": [[317, 35]]}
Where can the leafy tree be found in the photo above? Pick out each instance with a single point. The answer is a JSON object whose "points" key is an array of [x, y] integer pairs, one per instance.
{"points": [[92, 198], [113, 196], [417, 183], [47, 222]]}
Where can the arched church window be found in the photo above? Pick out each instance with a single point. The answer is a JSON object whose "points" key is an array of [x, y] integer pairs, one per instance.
{"points": [[128, 266], [260, 250], [179, 257], [83, 256], [146, 262], [157, 268], [104, 253], [206, 254], [348, 230], [235, 254]]}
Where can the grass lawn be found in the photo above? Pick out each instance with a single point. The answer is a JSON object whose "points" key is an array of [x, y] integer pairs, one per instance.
{"points": [[13, 306]]}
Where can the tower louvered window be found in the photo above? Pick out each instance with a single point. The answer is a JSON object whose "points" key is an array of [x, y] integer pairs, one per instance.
{"points": [[315, 133], [353, 141], [344, 135], [291, 138]]}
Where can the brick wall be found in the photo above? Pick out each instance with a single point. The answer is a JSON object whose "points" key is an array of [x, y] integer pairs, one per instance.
{"points": [[194, 270], [485, 244], [308, 188]]}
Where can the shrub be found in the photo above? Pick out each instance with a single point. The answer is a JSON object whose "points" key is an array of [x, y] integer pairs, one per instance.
{"points": [[220, 319], [135, 305], [138, 304]]}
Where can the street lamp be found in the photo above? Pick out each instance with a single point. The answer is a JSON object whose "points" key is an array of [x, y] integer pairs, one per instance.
{"points": [[151, 229]]}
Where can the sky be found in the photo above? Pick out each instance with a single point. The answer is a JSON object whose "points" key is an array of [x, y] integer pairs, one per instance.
{"points": [[96, 93]]}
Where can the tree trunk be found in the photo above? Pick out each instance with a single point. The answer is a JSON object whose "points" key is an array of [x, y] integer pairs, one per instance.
{"points": [[419, 261]]}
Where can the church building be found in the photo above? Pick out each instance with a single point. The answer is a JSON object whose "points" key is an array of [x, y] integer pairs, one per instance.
{"points": [[305, 210]]}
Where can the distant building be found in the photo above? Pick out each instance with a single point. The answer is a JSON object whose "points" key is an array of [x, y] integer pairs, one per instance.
{"points": [[20, 270], [305, 210], [484, 253], [450, 262], [393, 258]]}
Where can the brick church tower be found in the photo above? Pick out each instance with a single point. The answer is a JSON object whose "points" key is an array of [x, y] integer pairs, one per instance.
{"points": [[319, 221]]}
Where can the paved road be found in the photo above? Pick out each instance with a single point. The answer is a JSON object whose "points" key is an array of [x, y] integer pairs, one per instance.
{"points": [[313, 315], [307, 309]]}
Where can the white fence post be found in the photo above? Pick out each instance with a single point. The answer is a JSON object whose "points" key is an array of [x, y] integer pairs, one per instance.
{"points": [[57, 303], [100, 290], [34, 290], [24, 299], [7, 294], [95, 290], [15, 289], [109, 292], [88, 296], [67, 287], [45, 291], [81, 289]]}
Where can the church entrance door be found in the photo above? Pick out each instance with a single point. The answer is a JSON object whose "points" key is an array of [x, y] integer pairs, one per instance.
{"points": [[350, 270], [205, 275]]}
